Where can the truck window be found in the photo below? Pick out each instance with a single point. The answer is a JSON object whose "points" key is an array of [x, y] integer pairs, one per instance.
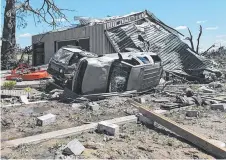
{"points": [[156, 58]]}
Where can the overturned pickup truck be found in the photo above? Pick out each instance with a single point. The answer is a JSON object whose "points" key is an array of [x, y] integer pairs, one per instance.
{"points": [[117, 72]]}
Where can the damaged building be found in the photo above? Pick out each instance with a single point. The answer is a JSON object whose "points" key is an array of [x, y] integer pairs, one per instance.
{"points": [[140, 31]]}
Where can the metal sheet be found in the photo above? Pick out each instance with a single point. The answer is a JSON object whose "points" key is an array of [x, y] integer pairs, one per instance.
{"points": [[166, 44]]}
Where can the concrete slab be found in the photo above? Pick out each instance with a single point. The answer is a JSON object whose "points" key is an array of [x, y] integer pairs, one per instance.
{"points": [[161, 100], [24, 99], [192, 113], [146, 121], [219, 106], [46, 119], [73, 147], [93, 106], [108, 128]]}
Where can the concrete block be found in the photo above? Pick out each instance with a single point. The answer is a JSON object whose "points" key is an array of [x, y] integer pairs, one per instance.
{"points": [[160, 111], [24, 99], [161, 100], [46, 119], [140, 100], [144, 120], [206, 90], [108, 128], [77, 106], [215, 85], [93, 106], [189, 92], [219, 106], [192, 113], [73, 147]]}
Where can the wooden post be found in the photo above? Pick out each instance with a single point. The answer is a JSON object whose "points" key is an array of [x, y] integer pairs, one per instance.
{"points": [[187, 134], [65, 132]]}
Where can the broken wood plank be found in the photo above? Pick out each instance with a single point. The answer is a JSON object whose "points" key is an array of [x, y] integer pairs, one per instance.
{"points": [[16, 93], [20, 104], [191, 136], [65, 132]]}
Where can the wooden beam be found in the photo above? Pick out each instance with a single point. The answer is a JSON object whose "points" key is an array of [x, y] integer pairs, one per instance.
{"points": [[20, 104], [65, 132], [191, 136]]}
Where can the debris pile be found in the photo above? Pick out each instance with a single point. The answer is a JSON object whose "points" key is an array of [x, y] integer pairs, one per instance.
{"points": [[158, 83]]}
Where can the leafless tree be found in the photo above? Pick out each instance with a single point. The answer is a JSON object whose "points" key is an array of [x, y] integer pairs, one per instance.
{"points": [[190, 39], [198, 40], [15, 15]]}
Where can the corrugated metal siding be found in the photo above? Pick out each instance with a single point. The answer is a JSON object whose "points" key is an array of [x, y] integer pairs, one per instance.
{"points": [[166, 44], [108, 47], [95, 33]]}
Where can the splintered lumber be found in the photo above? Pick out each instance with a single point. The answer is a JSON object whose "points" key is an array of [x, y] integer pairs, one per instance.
{"points": [[19, 104], [187, 134], [65, 132]]}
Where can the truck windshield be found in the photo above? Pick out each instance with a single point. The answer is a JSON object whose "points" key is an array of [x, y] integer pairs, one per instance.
{"points": [[63, 56]]}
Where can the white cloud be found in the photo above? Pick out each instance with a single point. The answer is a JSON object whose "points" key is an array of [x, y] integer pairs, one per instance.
{"points": [[25, 35], [222, 41], [61, 20], [201, 21], [212, 28], [221, 36], [181, 27]]}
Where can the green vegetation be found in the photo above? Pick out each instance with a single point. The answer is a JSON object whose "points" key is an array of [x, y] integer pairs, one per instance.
{"points": [[9, 84], [27, 89]]}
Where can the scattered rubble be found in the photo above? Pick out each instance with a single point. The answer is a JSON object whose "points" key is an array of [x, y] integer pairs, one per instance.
{"points": [[180, 102], [215, 85], [77, 106], [189, 92], [93, 106], [204, 89]]}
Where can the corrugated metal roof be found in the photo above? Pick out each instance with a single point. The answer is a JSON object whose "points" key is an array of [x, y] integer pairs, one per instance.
{"points": [[168, 45]]}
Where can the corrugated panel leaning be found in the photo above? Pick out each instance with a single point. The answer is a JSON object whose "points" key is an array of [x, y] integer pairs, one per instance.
{"points": [[168, 45]]}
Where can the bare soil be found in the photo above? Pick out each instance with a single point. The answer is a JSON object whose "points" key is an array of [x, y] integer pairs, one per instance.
{"points": [[135, 140]]}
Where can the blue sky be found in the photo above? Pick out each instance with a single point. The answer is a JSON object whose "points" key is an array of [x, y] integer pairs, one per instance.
{"points": [[179, 14]]}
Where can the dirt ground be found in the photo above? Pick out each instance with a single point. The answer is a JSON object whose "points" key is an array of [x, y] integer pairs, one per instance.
{"points": [[135, 140]]}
